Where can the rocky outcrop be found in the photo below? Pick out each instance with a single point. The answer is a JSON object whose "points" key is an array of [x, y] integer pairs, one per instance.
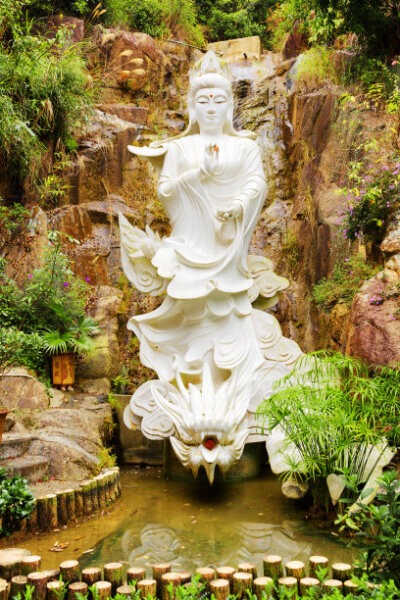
{"points": [[20, 390]]}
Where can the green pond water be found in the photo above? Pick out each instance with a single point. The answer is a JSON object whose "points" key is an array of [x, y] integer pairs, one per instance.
{"points": [[191, 525]]}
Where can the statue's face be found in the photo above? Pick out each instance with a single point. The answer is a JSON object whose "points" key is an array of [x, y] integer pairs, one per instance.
{"points": [[211, 108]]}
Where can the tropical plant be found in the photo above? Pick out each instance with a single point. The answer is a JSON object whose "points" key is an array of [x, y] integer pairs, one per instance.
{"points": [[16, 502], [376, 527], [333, 415]]}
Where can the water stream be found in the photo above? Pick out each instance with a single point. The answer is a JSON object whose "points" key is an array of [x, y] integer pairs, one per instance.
{"points": [[190, 525]]}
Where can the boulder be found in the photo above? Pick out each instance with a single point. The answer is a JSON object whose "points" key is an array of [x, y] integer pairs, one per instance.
{"points": [[20, 389], [74, 26], [103, 360], [374, 334]]}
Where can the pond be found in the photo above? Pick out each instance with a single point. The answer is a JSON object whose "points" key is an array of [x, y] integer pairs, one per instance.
{"points": [[192, 525]]}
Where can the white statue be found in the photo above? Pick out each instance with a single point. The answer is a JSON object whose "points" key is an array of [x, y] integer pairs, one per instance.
{"points": [[215, 355]]}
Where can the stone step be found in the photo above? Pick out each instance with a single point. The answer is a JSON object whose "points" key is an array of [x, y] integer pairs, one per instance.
{"points": [[31, 468], [15, 444]]}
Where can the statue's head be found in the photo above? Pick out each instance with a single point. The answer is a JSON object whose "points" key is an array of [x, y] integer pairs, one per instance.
{"points": [[210, 97]]}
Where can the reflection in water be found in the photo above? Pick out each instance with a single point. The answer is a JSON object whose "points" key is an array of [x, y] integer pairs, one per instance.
{"points": [[191, 525]]}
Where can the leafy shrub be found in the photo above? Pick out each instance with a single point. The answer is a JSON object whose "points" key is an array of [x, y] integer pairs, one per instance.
{"points": [[347, 277], [21, 349], [315, 68], [12, 218], [376, 527], [332, 413], [16, 502]]}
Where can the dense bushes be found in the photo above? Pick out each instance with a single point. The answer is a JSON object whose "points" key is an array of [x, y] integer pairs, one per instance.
{"points": [[16, 502]]}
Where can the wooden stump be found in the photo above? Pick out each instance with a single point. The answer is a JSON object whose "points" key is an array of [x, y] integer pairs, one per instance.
{"points": [[220, 588], [69, 571], [54, 590], [18, 585], [246, 567], [273, 567], [47, 512], [147, 587], [169, 581], [31, 563], [135, 574], [289, 584], [226, 573], [341, 571], [95, 495], [262, 585], [39, 583], [125, 590], [317, 563], [33, 520], [79, 502], [91, 575], [86, 487], [295, 568], [332, 584], [3, 589], [52, 510], [101, 492], [70, 495], [78, 587], [103, 589], [158, 571], [349, 587], [308, 583], [62, 512], [9, 567], [241, 583], [186, 576], [207, 574], [114, 572], [52, 574]]}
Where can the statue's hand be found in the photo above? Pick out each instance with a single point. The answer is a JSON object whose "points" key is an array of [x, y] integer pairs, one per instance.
{"points": [[211, 163], [233, 212]]}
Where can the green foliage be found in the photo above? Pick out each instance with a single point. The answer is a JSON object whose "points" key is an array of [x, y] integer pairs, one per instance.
{"points": [[113, 402], [16, 502], [333, 413], [121, 381], [12, 219], [46, 314], [316, 68], [375, 22], [372, 196], [377, 528], [44, 93], [347, 277], [107, 459]]}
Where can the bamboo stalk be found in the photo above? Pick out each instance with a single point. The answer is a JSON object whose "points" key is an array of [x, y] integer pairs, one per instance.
{"points": [[71, 511], [114, 572], [332, 584], [69, 571], [241, 583], [295, 568], [289, 584], [31, 563], [158, 571], [220, 588], [168, 580], [273, 566], [78, 502], [78, 587], [54, 590], [91, 575], [18, 585], [317, 563], [103, 589], [62, 512], [39, 582], [147, 587], [308, 583], [247, 567], [341, 571], [135, 574], [262, 585]]}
